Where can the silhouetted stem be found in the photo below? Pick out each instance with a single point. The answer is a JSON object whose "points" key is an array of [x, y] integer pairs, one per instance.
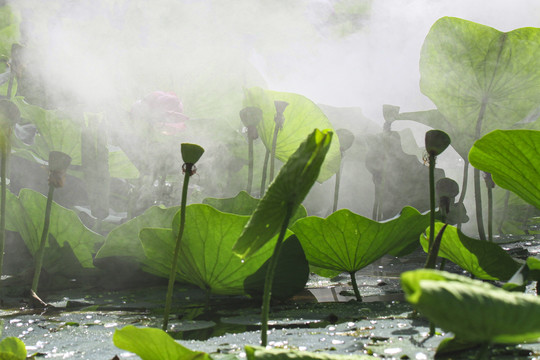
{"points": [[273, 155], [263, 179], [478, 204], [43, 242], [431, 201], [172, 275], [465, 181], [355, 286], [3, 175], [269, 279], [250, 165], [10, 84], [490, 213], [376, 204], [336, 189]]}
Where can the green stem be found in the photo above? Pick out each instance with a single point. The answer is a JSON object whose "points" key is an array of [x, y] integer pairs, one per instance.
{"points": [[250, 165], [273, 155], [431, 200], [490, 213], [478, 204], [3, 175], [43, 242], [336, 189], [172, 275], [465, 181], [263, 179], [355, 286], [265, 310], [505, 212], [10, 84]]}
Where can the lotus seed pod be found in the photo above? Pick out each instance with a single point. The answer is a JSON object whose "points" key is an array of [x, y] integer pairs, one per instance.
{"points": [[346, 139], [191, 153], [390, 112], [251, 116], [58, 165], [447, 187], [436, 142], [280, 106]]}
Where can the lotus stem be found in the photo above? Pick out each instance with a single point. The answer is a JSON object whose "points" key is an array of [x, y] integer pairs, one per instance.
{"points": [[355, 286], [273, 153], [172, 275], [433, 250], [250, 165], [465, 181], [3, 176], [505, 212], [269, 279], [43, 242], [431, 200], [478, 204], [490, 185], [263, 179], [336, 189]]}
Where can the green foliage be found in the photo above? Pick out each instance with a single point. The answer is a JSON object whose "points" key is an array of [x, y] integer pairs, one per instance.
{"points": [[12, 348], [206, 257], [25, 216], [9, 30], [245, 204], [471, 309], [124, 239], [479, 78], [291, 276], [262, 353], [302, 116], [288, 190], [153, 344], [483, 259], [345, 241], [512, 157]]}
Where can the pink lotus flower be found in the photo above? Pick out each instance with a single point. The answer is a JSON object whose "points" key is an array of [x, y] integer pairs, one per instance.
{"points": [[164, 109]]}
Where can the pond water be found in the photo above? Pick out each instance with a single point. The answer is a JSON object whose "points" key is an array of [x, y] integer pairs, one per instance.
{"points": [[324, 317]]}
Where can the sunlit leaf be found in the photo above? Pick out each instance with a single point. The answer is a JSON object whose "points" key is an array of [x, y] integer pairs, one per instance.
{"points": [[472, 309], [348, 242], [302, 116], [483, 259], [512, 157], [153, 344], [12, 348], [261, 353], [288, 190]]}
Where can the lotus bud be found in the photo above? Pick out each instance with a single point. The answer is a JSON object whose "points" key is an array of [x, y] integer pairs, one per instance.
{"points": [[436, 142], [280, 108], [58, 165], [346, 139], [191, 153], [251, 117], [9, 115], [447, 189]]}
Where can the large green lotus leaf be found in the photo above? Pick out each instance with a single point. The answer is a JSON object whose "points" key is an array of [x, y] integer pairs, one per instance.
{"points": [[262, 353], [245, 204], [124, 240], [206, 257], [301, 117], [513, 159], [153, 344], [12, 348], [472, 309], [287, 191], [483, 259], [345, 241], [480, 79], [26, 216], [9, 30]]}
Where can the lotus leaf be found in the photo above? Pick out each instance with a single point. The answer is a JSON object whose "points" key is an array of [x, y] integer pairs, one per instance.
{"points": [[26, 217], [345, 241], [512, 157], [153, 344], [472, 309], [245, 204], [483, 259], [124, 240], [480, 79], [12, 348], [301, 117], [285, 194], [206, 257]]}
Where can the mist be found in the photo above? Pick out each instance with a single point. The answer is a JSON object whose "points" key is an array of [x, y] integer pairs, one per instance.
{"points": [[103, 56]]}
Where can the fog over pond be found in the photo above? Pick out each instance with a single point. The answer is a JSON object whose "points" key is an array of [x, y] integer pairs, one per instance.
{"points": [[102, 56]]}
